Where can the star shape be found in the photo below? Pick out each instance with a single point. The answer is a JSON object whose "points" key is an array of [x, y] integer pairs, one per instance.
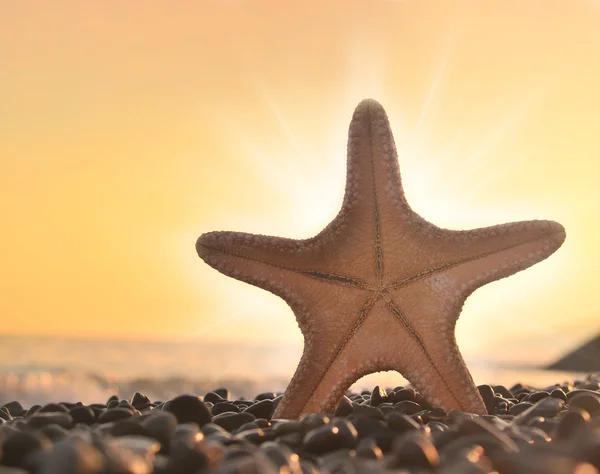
{"points": [[380, 288]]}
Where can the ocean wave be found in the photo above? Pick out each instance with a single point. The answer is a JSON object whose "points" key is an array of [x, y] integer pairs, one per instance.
{"points": [[33, 386]]}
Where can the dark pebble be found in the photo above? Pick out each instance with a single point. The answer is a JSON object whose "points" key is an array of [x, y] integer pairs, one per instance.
{"points": [[276, 401], [53, 407], [367, 448], [251, 425], [261, 409], [242, 403], [413, 450], [139, 399], [589, 402], [401, 423], [258, 436], [282, 457], [17, 445], [344, 407], [71, 457], [578, 391], [402, 394], [266, 396], [81, 414], [160, 425], [536, 396], [573, 421], [54, 432], [5, 414], [519, 408], [376, 430], [224, 407], [14, 408], [189, 408], [222, 392], [366, 411], [558, 393], [232, 421], [39, 419], [292, 440], [487, 393], [32, 409], [487, 433], [341, 460], [128, 427], [378, 396], [312, 421], [502, 390], [408, 408], [262, 423], [330, 437], [288, 427], [114, 414], [213, 398], [546, 407]]}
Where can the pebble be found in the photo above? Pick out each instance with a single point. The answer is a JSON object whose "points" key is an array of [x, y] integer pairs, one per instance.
{"points": [[114, 414], [378, 396], [262, 409], [408, 408], [546, 407], [401, 423], [487, 393], [414, 450], [344, 407], [213, 398], [589, 402], [232, 421], [549, 430], [330, 437], [39, 419], [224, 407], [189, 408], [82, 414], [573, 421], [14, 408]]}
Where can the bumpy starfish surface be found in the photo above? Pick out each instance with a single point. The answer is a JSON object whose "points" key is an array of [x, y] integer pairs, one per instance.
{"points": [[380, 288]]}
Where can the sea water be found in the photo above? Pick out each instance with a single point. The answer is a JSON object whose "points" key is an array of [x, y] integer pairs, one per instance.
{"points": [[36, 369]]}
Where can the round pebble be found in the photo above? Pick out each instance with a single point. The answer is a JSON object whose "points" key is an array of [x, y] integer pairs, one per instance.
{"points": [[188, 408]]}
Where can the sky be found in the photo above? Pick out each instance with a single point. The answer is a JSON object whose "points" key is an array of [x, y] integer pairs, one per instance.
{"points": [[127, 129]]}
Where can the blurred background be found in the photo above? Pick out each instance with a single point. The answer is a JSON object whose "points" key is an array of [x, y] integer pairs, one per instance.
{"points": [[127, 129]]}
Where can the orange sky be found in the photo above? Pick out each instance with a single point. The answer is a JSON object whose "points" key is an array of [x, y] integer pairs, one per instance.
{"points": [[127, 129]]}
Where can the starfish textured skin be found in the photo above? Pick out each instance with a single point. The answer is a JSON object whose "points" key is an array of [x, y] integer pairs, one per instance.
{"points": [[380, 288]]}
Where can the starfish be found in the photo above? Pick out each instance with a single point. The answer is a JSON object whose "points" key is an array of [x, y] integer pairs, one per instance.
{"points": [[380, 288]]}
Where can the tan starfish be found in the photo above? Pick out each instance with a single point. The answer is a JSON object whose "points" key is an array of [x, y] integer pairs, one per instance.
{"points": [[380, 288]]}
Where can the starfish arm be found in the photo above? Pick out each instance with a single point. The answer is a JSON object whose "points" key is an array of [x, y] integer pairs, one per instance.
{"points": [[500, 251], [432, 361], [482, 255], [373, 196], [330, 365], [441, 374], [257, 259]]}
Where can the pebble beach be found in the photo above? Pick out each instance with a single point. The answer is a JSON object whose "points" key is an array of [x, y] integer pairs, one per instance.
{"points": [[529, 430]]}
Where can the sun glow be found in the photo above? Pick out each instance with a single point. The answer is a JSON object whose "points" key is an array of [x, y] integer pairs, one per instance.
{"points": [[134, 130]]}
